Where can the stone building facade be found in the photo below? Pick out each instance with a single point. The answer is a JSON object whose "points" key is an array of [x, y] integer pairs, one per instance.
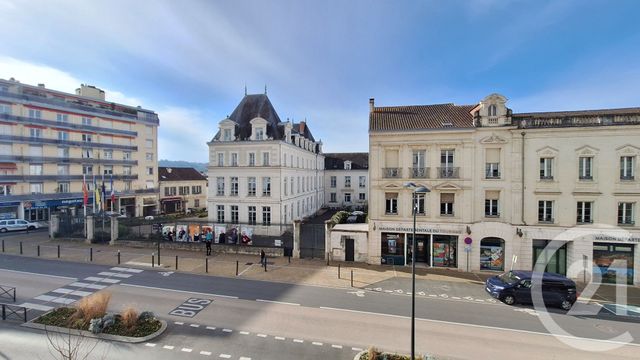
{"points": [[346, 180], [181, 189]]}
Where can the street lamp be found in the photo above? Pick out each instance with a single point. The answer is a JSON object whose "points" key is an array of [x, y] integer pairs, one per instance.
{"points": [[416, 190]]}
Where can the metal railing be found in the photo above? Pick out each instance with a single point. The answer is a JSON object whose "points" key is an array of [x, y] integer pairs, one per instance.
{"points": [[54, 159], [13, 312], [448, 172], [42, 140], [8, 292], [391, 173], [419, 172], [66, 125]]}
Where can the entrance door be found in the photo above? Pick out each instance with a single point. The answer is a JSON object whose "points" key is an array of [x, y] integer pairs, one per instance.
{"points": [[556, 263], [349, 249]]}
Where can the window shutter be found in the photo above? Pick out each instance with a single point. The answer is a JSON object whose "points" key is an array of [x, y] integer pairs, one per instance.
{"points": [[493, 156], [447, 198], [390, 195], [492, 195], [391, 158]]}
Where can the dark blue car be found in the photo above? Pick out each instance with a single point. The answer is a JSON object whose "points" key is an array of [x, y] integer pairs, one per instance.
{"points": [[515, 287]]}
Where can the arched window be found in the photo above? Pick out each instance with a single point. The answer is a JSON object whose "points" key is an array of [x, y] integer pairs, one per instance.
{"points": [[492, 110]]}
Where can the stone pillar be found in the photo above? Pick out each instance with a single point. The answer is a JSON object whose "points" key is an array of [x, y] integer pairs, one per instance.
{"points": [[328, 225], [114, 230], [54, 225], [90, 225], [296, 239]]}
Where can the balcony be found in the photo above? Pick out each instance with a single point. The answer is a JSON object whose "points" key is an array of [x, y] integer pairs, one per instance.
{"points": [[627, 222], [585, 178], [66, 125], [63, 177], [53, 159], [546, 220], [448, 172], [627, 177], [492, 215], [391, 173], [546, 177], [41, 140], [146, 191], [419, 172]]}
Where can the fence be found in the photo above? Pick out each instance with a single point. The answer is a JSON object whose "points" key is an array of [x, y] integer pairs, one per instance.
{"points": [[7, 292], [13, 312], [102, 228], [72, 226], [312, 238]]}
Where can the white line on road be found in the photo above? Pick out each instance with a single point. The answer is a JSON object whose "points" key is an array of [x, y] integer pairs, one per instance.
{"points": [[279, 338], [195, 325], [227, 330], [211, 327], [244, 332], [137, 271], [178, 322], [225, 356], [208, 353], [105, 280], [180, 291], [261, 335], [245, 270], [87, 285], [244, 358], [32, 273], [356, 349], [337, 346], [317, 343], [54, 299], [72, 292], [277, 302], [186, 350], [298, 341], [168, 347], [36, 306], [150, 344], [107, 273]]}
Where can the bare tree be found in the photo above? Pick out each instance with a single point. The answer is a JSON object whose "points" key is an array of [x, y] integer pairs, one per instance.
{"points": [[72, 345]]}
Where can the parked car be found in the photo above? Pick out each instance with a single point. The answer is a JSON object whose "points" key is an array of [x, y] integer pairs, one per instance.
{"points": [[17, 224], [515, 287]]}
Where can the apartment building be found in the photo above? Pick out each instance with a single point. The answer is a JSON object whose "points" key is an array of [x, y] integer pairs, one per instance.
{"points": [[261, 170], [347, 180], [503, 186], [181, 189], [50, 140]]}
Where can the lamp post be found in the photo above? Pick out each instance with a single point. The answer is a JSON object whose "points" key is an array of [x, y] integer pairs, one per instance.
{"points": [[416, 190]]}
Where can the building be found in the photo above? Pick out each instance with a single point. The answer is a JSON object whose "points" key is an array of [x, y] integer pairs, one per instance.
{"points": [[505, 185], [262, 170], [50, 140], [347, 180], [181, 189]]}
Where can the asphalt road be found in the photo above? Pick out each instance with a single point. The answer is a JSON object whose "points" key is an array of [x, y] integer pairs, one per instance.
{"points": [[326, 322]]}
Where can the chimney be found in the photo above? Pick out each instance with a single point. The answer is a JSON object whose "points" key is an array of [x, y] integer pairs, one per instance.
{"points": [[371, 104], [41, 85], [90, 91], [302, 126]]}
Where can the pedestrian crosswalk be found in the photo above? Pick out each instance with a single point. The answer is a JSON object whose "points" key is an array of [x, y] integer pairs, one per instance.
{"points": [[77, 290]]}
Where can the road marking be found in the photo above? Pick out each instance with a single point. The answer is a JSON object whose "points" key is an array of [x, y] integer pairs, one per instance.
{"points": [[180, 291], [244, 332], [187, 350], [244, 358], [279, 338], [88, 286], [278, 302], [106, 273], [298, 341], [455, 298], [137, 263], [211, 327], [261, 335], [356, 349], [150, 345], [137, 271], [486, 327], [421, 293], [336, 346], [62, 300], [36, 306], [479, 300], [195, 325], [317, 343], [359, 293], [178, 322], [388, 291], [227, 330], [32, 273], [165, 273], [72, 292], [208, 353], [110, 281], [225, 356], [55, 299], [431, 295], [168, 347]]}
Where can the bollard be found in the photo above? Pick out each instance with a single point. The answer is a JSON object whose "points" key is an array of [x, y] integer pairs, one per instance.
{"points": [[265, 264], [118, 257], [338, 271], [206, 265], [289, 259], [38, 250], [58, 251], [153, 260], [327, 259], [2, 245], [158, 253], [351, 278], [236, 267], [20, 247], [90, 254], [176, 262]]}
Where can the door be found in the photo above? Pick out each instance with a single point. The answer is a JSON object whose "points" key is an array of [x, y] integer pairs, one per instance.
{"points": [[349, 249], [523, 292]]}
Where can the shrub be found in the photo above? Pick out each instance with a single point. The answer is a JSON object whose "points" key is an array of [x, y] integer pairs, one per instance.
{"points": [[92, 306], [108, 320], [129, 317], [340, 217], [146, 316], [95, 325]]}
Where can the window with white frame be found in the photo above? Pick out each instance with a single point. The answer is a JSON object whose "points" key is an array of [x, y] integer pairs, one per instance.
{"points": [[86, 121], [220, 159], [35, 188], [626, 213], [149, 170], [234, 159], [35, 150], [584, 212], [87, 138], [627, 167], [491, 204], [108, 154], [347, 181], [447, 201], [252, 215], [347, 197], [251, 186], [107, 169], [362, 181], [227, 136], [391, 203], [286, 189], [347, 165], [87, 169], [234, 186], [35, 113], [259, 134], [362, 196], [5, 189], [126, 155], [220, 186], [87, 153], [63, 135], [35, 169], [196, 189], [265, 159], [6, 129], [252, 159], [126, 170], [417, 203], [127, 185], [63, 169], [266, 215], [220, 213], [334, 197], [63, 152], [35, 133], [546, 168], [234, 214], [63, 187], [5, 109], [149, 156], [585, 168], [266, 186], [334, 181], [492, 110], [170, 191], [545, 211]]}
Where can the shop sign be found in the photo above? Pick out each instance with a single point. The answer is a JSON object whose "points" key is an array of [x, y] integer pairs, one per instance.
{"points": [[419, 230], [631, 238], [35, 205], [8, 204]]}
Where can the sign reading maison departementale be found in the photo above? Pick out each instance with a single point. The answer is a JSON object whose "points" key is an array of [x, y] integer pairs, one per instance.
{"points": [[420, 229]]}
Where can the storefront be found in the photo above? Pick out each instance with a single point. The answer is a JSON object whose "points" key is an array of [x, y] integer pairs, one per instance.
{"points": [[127, 206], [610, 259], [9, 210], [556, 262], [42, 210], [445, 250], [434, 247], [171, 205], [492, 254], [393, 249]]}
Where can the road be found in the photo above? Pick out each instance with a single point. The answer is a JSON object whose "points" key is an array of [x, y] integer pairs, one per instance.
{"points": [[266, 320]]}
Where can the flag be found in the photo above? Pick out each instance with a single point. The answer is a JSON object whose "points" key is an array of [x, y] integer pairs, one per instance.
{"points": [[97, 192], [104, 196], [113, 193], [85, 192]]}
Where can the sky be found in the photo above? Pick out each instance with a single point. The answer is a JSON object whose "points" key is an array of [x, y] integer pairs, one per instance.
{"points": [[190, 60]]}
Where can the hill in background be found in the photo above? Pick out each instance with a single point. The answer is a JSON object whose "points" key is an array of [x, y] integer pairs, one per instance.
{"points": [[201, 167]]}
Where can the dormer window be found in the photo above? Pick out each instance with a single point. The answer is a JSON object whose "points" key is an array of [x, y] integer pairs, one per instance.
{"points": [[259, 134], [227, 135], [347, 165], [492, 110]]}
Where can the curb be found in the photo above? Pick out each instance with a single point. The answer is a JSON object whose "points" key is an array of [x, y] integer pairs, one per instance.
{"points": [[359, 355], [124, 339]]}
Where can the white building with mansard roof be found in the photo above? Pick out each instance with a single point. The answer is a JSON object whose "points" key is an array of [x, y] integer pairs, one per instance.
{"points": [[504, 184]]}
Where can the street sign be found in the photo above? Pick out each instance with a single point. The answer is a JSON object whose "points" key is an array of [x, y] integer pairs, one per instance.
{"points": [[467, 248], [468, 240]]}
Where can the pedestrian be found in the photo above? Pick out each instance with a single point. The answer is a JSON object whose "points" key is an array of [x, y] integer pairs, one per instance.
{"points": [[208, 240], [222, 238], [263, 258]]}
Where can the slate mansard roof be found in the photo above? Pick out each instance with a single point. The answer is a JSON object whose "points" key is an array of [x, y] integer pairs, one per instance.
{"points": [[179, 174], [415, 117], [335, 161]]}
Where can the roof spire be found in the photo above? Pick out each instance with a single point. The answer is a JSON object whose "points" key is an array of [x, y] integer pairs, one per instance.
{"points": [[245, 89], [265, 89]]}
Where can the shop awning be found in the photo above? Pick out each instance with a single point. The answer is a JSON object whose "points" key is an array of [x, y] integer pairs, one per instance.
{"points": [[8, 166], [175, 198]]}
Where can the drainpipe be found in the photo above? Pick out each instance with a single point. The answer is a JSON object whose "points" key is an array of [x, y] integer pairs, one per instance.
{"points": [[522, 181]]}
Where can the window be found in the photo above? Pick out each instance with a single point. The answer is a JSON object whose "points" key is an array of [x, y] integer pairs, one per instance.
{"points": [[259, 134], [584, 168], [334, 181], [226, 134], [546, 168], [347, 197], [86, 121], [347, 181], [418, 163], [35, 150], [220, 213], [545, 211], [492, 110], [86, 137], [87, 153], [63, 169], [362, 181], [105, 139], [108, 154], [220, 159], [36, 114], [625, 213], [417, 201], [148, 130], [251, 186], [149, 156], [333, 197], [584, 215], [492, 163], [63, 135], [286, 189], [5, 190], [107, 169], [63, 118], [35, 133], [35, 169], [234, 214], [362, 196], [196, 203], [35, 188], [183, 190], [148, 144], [149, 170], [291, 185], [126, 170], [87, 169], [196, 189], [5, 109], [252, 159], [266, 186], [266, 215], [234, 186], [391, 203], [5, 129], [252, 215], [150, 184], [126, 155], [234, 159], [170, 191], [446, 158], [63, 152], [265, 159], [63, 187], [127, 186], [220, 186], [347, 165], [627, 165], [446, 204], [491, 208]]}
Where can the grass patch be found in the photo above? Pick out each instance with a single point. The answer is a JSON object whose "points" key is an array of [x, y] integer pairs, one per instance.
{"points": [[70, 318]]}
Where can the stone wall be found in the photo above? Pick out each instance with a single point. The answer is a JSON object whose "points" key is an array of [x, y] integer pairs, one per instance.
{"points": [[200, 247]]}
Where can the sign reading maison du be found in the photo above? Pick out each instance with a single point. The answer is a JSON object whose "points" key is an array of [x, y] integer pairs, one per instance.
{"points": [[420, 230], [631, 238]]}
